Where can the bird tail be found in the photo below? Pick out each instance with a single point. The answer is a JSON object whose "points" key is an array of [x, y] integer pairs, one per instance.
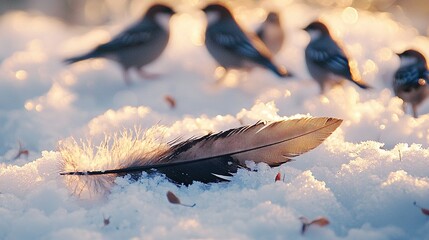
{"points": [[78, 58], [362, 84], [279, 71], [355, 76]]}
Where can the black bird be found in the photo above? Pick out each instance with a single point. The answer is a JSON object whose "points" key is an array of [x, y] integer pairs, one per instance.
{"points": [[410, 80], [138, 45], [326, 61], [233, 48], [271, 32]]}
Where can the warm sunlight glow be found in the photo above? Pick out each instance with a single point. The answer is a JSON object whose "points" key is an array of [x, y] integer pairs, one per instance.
{"points": [[403, 177], [350, 15], [58, 97], [29, 106], [197, 38], [324, 99], [384, 54], [219, 72], [189, 224], [21, 75], [39, 108], [97, 64], [95, 85], [69, 79], [344, 3], [369, 67], [231, 79]]}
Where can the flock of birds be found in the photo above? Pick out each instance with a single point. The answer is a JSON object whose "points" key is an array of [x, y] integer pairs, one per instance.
{"points": [[234, 48]]}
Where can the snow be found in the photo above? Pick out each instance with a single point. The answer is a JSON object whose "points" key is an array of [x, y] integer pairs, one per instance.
{"points": [[364, 178]]}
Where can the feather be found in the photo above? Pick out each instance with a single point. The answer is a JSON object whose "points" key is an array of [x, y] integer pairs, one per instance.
{"points": [[216, 157]]}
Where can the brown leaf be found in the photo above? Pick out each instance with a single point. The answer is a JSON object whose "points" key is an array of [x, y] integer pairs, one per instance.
{"points": [[21, 151], [425, 211], [170, 101], [306, 223], [172, 198], [320, 222], [278, 177]]}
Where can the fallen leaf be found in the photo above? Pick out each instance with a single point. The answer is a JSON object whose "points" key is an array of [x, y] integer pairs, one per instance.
{"points": [[170, 101], [278, 177], [21, 151], [322, 221], [425, 211], [172, 198]]}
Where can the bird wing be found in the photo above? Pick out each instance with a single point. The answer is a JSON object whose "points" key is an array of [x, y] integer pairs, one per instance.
{"points": [[134, 36], [332, 59], [241, 44], [409, 76]]}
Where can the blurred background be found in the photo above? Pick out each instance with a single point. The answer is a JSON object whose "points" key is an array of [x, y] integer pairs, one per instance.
{"points": [[42, 100], [94, 12]]}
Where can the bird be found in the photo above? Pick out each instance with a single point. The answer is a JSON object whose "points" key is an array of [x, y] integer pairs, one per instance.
{"points": [[232, 47], [271, 32], [410, 81], [326, 61], [211, 158], [138, 45]]}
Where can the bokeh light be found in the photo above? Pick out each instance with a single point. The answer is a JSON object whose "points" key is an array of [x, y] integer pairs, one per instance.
{"points": [[21, 75], [350, 15]]}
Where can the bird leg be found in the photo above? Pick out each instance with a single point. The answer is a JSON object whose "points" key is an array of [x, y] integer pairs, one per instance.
{"points": [[414, 106], [322, 87], [126, 76]]}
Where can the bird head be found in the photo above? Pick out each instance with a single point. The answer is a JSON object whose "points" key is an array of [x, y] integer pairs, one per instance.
{"points": [[316, 29], [161, 14], [411, 56], [159, 9], [216, 12]]}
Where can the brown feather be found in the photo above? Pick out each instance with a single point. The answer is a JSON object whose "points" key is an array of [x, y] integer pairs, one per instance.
{"points": [[272, 143], [211, 158]]}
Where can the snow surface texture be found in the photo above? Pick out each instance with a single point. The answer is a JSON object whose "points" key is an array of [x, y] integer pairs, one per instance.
{"points": [[364, 178]]}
